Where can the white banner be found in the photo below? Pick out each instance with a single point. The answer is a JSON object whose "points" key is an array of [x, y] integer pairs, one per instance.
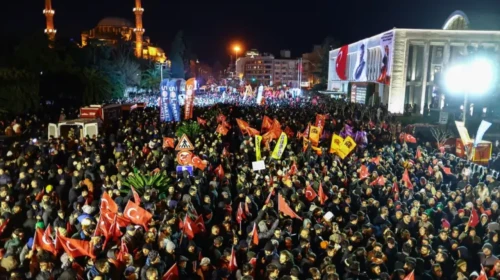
{"points": [[481, 131]]}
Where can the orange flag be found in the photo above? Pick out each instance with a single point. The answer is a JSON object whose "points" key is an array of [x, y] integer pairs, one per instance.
{"points": [[322, 195], [267, 123], [197, 162], [252, 131], [201, 121], [137, 214], [221, 118], [289, 132], [285, 208], [243, 125], [276, 128], [310, 193], [221, 129], [168, 142], [107, 203], [255, 235], [75, 247]]}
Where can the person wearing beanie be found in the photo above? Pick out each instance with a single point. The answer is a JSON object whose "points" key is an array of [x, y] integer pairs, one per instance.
{"points": [[486, 257], [154, 260]]}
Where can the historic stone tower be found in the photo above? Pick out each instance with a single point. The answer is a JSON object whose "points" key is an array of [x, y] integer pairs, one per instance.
{"points": [[49, 16], [139, 30]]}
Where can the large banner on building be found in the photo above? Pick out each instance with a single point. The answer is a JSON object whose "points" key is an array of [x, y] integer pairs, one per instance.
{"points": [[173, 100], [189, 100], [165, 114], [341, 62], [361, 62], [387, 46]]}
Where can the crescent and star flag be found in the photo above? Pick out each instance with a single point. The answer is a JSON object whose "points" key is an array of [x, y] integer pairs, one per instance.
{"points": [[293, 169], [406, 137], [482, 274], [380, 181], [219, 171], [221, 118], [341, 62], [310, 193], [188, 227], [201, 121], [474, 218], [406, 180], [336, 142], [44, 241], [267, 123], [172, 273], [75, 248], [232, 261], [197, 162], [395, 190], [431, 171], [279, 149], [168, 142], [271, 193], [137, 214], [285, 208], [199, 225], [363, 173], [314, 134], [376, 160], [322, 195], [107, 203], [447, 170], [258, 140], [110, 218]]}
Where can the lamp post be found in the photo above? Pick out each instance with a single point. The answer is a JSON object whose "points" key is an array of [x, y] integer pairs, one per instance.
{"points": [[236, 50], [475, 76]]}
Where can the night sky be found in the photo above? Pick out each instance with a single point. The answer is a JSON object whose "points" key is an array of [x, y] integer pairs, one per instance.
{"points": [[268, 25]]}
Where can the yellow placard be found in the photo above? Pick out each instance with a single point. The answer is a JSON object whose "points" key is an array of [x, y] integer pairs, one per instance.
{"points": [[337, 140], [258, 139], [280, 146]]}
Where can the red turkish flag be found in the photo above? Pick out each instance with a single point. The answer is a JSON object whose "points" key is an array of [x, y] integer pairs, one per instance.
{"points": [[137, 214], [269, 196], [341, 62], [289, 132], [110, 218], [75, 247], [240, 215], [188, 227], [168, 142], [123, 251], [310, 193], [107, 203], [380, 181], [199, 225], [474, 218], [44, 241], [419, 153], [293, 169], [410, 276], [322, 195], [221, 129], [197, 162], [285, 208], [137, 198], [233, 265], [219, 171], [172, 273], [363, 173], [447, 170], [395, 190], [252, 131], [482, 274], [406, 180], [431, 171], [376, 160], [221, 118], [255, 235]]}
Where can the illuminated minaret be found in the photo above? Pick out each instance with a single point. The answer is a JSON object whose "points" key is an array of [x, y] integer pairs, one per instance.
{"points": [[49, 16], [139, 30]]}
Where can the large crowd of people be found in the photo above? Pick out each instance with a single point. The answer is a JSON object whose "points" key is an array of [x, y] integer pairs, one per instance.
{"points": [[388, 210]]}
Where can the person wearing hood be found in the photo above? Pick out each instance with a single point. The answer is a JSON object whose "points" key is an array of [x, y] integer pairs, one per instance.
{"points": [[154, 261]]}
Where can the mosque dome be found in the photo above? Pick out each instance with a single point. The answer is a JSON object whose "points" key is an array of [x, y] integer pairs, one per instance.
{"points": [[458, 20], [115, 22]]}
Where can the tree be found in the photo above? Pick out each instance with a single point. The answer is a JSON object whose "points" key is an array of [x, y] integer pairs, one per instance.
{"points": [[97, 87], [151, 79], [441, 135], [176, 56], [18, 90], [321, 60]]}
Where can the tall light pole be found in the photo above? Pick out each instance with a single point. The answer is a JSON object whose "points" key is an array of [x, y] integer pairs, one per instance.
{"points": [[236, 50]]}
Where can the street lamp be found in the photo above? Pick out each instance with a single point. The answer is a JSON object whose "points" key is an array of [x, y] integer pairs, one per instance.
{"points": [[474, 77], [236, 50]]}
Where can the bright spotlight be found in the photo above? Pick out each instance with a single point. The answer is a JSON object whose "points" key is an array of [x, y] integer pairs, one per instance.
{"points": [[476, 77]]}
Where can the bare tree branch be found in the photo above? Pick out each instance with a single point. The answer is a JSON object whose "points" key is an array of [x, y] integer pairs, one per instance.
{"points": [[441, 135]]}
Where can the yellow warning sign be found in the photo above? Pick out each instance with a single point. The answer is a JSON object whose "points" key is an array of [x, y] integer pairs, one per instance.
{"points": [[184, 144]]}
